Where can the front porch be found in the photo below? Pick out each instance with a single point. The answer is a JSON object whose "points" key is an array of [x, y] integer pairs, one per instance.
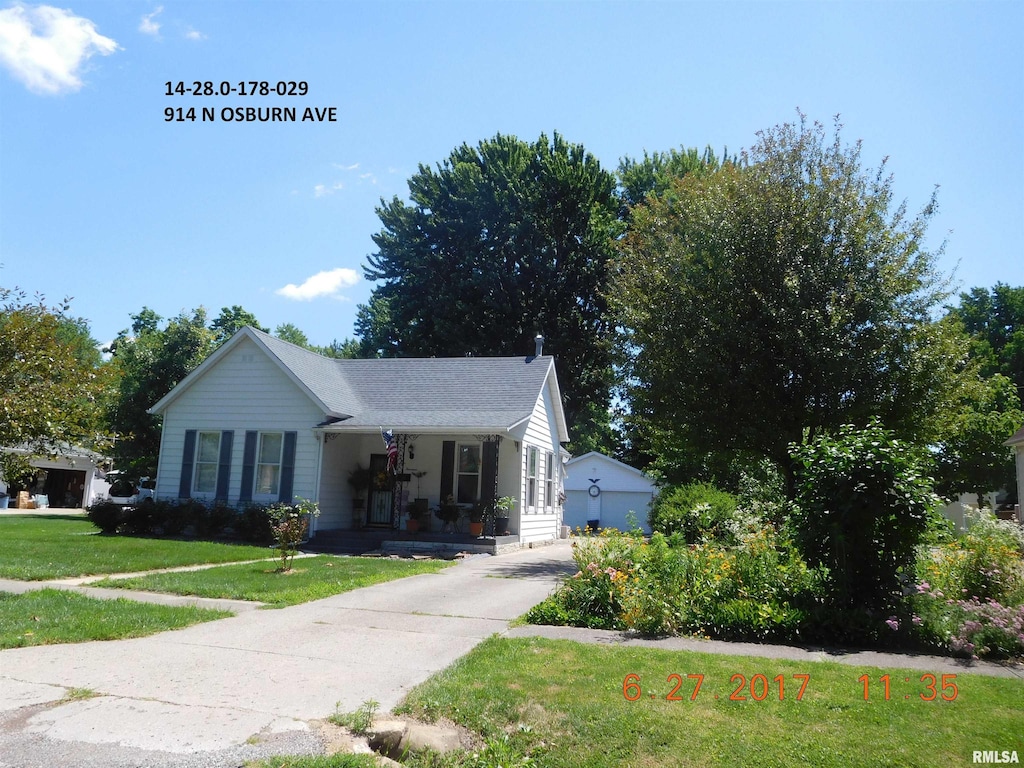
{"points": [[392, 541]]}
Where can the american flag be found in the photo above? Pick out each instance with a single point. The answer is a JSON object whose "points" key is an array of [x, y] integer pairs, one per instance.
{"points": [[391, 447]]}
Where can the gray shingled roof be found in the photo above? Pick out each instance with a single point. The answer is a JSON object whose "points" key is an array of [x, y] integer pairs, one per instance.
{"points": [[405, 393]]}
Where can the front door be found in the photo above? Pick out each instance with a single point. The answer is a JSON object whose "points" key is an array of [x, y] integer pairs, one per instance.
{"points": [[378, 506]]}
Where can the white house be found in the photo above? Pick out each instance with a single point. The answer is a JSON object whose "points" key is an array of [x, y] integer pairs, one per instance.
{"points": [[598, 487], [262, 420]]}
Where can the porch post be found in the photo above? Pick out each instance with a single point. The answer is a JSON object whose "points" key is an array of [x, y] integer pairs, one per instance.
{"points": [[489, 478], [399, 486]]}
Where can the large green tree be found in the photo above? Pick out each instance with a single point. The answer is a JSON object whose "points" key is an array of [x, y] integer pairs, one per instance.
{"points": [[777, 298], [231, 320], [499, 242], [969, 453], [150, 360], [994, 319], [52, 384]]}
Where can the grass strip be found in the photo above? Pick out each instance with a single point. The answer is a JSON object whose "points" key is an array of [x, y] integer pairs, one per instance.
{"points": [[49, 616], [311, 578], [39, 547], [564, 704]]}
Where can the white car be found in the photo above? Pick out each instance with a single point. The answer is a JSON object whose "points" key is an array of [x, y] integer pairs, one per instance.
{"points": [[124, 491]]}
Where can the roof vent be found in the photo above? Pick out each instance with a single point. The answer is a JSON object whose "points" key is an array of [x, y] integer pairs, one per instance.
{"points": [[539, 348]]}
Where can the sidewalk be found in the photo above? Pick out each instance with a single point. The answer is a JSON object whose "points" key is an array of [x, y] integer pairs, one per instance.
{"points": [[220, 693]]}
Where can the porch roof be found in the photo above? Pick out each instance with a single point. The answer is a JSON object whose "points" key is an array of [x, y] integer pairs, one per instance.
{"points": [[430, 421]]}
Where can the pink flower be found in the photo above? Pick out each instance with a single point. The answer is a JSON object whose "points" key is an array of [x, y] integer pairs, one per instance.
{"points": [[917, 621], [892, 623]]}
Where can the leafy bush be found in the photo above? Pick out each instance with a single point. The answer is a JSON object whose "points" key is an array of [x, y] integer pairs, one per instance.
{"points": [[697, 511], [172, 518], [140, 519], [863, 502], [211, 521], [105, 515], [252, 523]]}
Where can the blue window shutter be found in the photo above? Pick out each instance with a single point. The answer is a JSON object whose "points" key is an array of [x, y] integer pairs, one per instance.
{"points": [[224, 466], [188, 455], [447, 469], [248, 466], [288, 467]]}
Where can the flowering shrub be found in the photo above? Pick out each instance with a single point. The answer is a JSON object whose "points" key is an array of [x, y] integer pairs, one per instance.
{"points": [[970, 595], [697, 511], [290, 524], [624, 582]]}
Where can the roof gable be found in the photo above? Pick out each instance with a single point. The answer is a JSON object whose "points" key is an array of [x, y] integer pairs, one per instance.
{"points": [[457, 392], [595, 456]]}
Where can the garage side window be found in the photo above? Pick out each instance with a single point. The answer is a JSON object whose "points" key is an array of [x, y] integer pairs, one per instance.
{"points": [[207, 458], [268, 465]]}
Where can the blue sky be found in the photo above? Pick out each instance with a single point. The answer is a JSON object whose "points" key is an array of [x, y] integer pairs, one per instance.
{"points": [[102, 200]]}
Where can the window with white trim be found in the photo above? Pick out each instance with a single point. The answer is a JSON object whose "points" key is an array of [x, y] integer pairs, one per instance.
{"points": [[204, 477], [268, 463], [467, 473], [531, 477], [549, 479]]}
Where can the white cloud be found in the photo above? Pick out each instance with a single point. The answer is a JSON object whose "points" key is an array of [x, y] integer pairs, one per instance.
{"points": [[194, 34], [322, 190], [46, 47], [328, 283], [149, 25]]}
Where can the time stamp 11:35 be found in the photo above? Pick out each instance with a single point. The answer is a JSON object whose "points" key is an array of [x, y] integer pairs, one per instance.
{"points": [[759, 687]]}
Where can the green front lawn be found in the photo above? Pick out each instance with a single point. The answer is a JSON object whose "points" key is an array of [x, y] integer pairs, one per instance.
{"points": [[55, 616], [564, 704], [311, 578], [38, 547]]}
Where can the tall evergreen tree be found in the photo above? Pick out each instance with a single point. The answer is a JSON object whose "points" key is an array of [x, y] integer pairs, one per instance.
{"points": [[500, 242]]}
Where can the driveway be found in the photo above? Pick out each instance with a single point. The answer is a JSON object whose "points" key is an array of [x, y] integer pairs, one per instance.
{"points": [[219, 693]]}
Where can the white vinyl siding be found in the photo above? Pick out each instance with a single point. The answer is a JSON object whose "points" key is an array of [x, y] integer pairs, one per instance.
{"points": [[539, 523], [246, 390], [204, 474]]}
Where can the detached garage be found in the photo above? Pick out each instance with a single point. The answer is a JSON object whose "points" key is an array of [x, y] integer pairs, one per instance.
{"points": [[601, 488]]}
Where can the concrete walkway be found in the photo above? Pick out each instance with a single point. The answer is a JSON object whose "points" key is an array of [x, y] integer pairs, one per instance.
{"points": [[220, 693], [201, 696]]}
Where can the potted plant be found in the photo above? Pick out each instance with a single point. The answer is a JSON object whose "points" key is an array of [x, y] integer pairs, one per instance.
{"points": [[448, 512], [415, 512], [502, 508], [360, 479], [476, 518]]}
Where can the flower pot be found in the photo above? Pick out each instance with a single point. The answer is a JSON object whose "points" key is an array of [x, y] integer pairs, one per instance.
{"points": [[500, 526], [476, 529], [412, 525]]}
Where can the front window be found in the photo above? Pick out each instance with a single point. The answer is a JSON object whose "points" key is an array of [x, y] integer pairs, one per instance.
{"points": [[531, 478], [268, 465], [467, 481], [207, 459]]}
